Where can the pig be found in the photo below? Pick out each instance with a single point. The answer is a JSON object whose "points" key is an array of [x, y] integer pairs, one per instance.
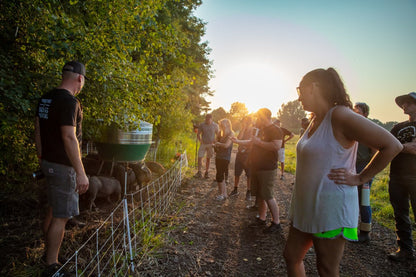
{"points": [[142, 172], [101, 186], [155, 167], [119, 173]]}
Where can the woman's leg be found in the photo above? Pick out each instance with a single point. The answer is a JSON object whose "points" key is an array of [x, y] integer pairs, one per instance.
{"points": [[328, 255], [297, 244], [219, 175], [223, 189]]}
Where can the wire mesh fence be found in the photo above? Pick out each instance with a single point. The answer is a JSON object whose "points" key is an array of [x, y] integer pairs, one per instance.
{"points": [[121, 241]]}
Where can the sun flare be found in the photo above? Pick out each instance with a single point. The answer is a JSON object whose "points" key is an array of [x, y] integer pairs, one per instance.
{"points": [[257, 85]]}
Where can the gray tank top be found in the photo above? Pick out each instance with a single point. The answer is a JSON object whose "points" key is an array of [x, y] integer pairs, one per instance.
{"points": [[318, 204]]}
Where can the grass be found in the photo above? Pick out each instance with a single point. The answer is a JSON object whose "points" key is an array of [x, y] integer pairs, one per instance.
{"points": [[379, 198]]}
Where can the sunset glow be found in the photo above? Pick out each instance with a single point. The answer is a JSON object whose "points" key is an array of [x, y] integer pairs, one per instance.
{"points": [[254, 83], [261, 50]]}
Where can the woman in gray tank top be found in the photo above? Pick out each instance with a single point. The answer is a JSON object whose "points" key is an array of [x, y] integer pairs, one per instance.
{"points": [[324, 208]]}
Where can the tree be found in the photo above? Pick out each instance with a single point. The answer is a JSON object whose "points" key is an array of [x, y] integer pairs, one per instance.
{"points": [[145, 60], [238, 110], [388, 125], [290, 115], [218, 114]]}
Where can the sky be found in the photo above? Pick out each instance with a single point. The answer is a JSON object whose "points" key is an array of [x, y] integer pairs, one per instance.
{"points": [[262, 49]]}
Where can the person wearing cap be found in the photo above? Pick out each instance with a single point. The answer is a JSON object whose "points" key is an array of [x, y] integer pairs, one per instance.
{"points": [[402, 185], [58, 138]]}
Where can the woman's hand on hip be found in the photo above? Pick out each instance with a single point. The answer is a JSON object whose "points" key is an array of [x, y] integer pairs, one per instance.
{"points": [[342, 176]]}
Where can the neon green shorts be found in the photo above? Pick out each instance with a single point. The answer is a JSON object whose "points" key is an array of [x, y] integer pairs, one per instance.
{"points": [[348, 233]]}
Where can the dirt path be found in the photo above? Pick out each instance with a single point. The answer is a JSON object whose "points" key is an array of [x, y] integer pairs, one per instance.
{"points": [[212, 238]]}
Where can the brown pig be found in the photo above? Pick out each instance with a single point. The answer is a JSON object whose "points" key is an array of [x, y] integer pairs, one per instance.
{"points": [[101, 186]]}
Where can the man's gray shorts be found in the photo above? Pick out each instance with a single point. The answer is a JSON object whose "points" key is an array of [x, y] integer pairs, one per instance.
{"points": [[61, 184]]}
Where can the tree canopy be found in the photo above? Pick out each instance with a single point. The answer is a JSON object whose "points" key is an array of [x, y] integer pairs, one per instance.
{"points": [[144, 58], [290, 115]]}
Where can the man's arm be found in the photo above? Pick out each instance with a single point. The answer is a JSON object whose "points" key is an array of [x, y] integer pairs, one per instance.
{"points": [[273, 145], [198, 135], [72, 150], [409, 147], [289, 137]]}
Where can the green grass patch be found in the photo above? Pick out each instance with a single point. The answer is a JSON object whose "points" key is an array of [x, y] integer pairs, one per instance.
{"points": [[290, 155]]}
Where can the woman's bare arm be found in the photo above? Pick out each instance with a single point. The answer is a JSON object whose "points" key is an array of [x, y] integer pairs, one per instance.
{"points": [[349, 127]]}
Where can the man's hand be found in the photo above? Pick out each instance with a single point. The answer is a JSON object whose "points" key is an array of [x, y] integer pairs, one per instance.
{"points": [[82, 183], [256, 140]]}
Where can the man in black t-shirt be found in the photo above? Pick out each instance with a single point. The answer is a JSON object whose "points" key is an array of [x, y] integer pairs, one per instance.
{"points": [[58, 139], [263, 161], [402, 185]]}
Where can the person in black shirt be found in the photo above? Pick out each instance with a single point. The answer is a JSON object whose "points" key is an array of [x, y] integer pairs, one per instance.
{"points": [[223, 148], [58, 138], [263, 159], [241, 160], [402, 185]]}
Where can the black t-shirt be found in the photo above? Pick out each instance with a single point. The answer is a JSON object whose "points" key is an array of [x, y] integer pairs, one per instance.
{"points": [[55, 109], [404, 163], [221, 152], [260, 158]]}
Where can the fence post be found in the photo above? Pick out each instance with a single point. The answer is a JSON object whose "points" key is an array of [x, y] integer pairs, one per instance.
{"points": [[126, 217]]}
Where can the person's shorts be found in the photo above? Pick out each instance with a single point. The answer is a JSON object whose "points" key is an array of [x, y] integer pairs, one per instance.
{"points": [[206, 148], [347, 233], [61, 185], [222, 169], [241, 163], [262, 183], [281, 155]]}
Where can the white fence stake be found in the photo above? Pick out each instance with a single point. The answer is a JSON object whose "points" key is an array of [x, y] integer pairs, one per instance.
{"points": [[126, 216]]}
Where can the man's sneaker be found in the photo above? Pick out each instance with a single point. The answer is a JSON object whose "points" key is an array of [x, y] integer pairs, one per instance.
{"points": [[220, 197], [248, 196], [401, 256], [252, 208], [75, 222], [273, 228], [198, 175], [282, 177], [206, 175], [234, 192], [257, 223]]}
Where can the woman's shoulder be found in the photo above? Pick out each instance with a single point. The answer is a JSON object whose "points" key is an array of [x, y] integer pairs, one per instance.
{"points": [[341, 113]]}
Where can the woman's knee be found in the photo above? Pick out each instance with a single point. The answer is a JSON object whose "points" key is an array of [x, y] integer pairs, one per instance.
{"points": [[292, 255], [327, 269]]}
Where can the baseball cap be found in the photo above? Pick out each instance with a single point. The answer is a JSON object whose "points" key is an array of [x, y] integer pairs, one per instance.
{"points": [[411, 97], [76, 67]]}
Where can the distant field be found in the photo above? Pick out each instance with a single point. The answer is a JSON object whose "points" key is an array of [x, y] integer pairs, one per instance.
{"points": [[380, 203]]}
